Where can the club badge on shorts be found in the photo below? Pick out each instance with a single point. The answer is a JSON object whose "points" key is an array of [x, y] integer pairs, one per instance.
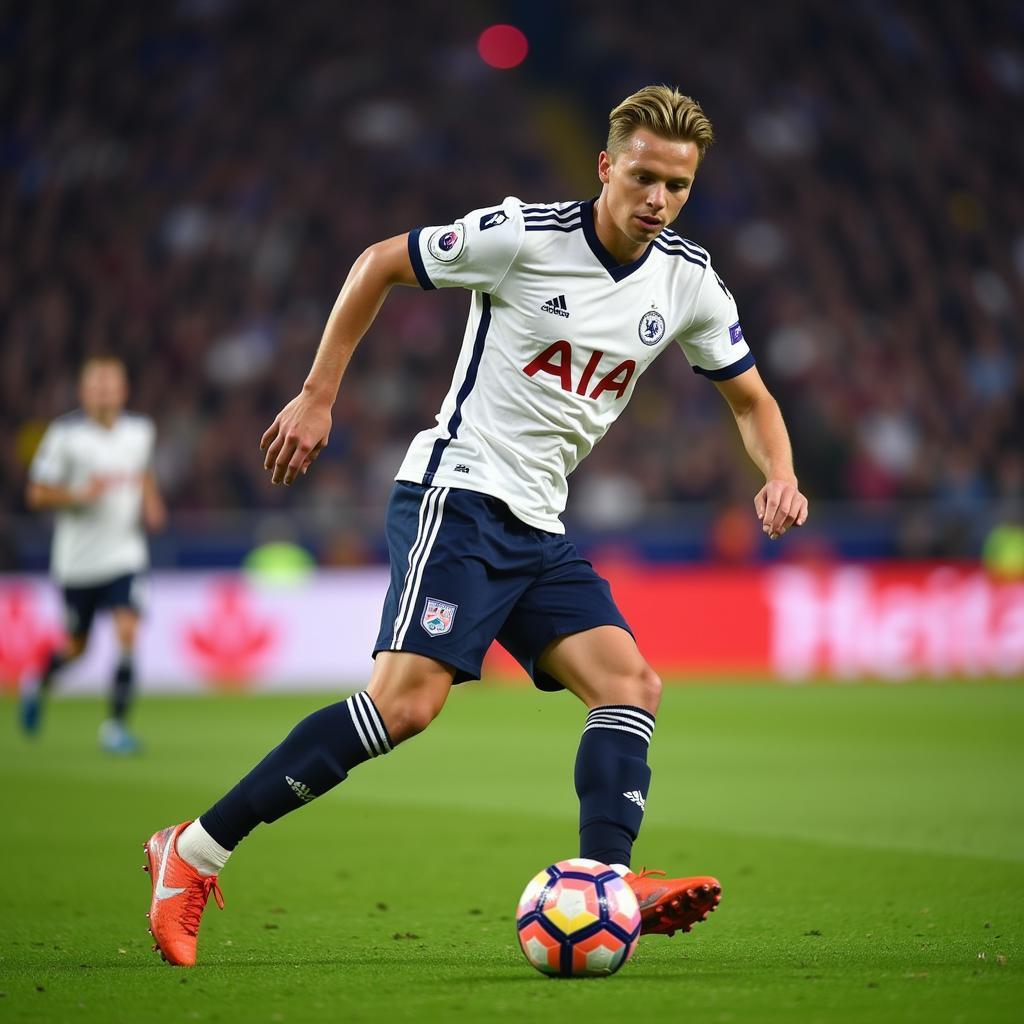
{"points": [[438, 616]]}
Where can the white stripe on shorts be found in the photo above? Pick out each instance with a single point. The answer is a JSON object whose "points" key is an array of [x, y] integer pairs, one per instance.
{"points": [[421, 565], [422, 530]]}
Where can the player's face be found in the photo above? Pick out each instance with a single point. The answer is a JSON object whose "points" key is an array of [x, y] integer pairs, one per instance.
{"points": [[647, 184], [103, 390]]}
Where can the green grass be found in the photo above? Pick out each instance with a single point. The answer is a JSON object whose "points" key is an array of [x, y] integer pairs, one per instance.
{"points": [[870, 841]]}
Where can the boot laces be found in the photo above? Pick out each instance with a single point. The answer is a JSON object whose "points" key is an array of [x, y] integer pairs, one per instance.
{"points": [[644, 873], [195, 902]]}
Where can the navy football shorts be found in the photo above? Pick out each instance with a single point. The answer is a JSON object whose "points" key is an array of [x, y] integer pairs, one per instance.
{"points": [[82, 603], [465, 571]]}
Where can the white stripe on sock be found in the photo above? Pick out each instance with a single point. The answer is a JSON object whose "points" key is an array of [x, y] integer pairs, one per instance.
{"points": [[613, 709], [376, 722], [360, 705], [351, 705], [644, 716], [615, 720], [620, 728]]}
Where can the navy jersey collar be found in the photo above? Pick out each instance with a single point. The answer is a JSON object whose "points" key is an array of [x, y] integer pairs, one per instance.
{"points": [[617, 270]]}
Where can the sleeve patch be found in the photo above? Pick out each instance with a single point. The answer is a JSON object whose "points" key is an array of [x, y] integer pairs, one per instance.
{"points": [[493, 219], [446, 244], [735, 333]]}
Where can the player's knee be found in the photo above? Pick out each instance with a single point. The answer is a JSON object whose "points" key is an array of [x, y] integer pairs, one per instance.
{"points": [[411, 715], [75, 647], [409, 691], [647, 686], [638, 686]]}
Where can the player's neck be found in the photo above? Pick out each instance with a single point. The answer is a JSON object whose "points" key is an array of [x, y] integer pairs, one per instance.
{"points": [[622, 249], [104, 417]]}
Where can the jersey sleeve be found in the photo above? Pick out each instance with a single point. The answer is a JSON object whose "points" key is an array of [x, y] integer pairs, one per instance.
{"points": [[50, 462], [713, 341], [475, 252]]}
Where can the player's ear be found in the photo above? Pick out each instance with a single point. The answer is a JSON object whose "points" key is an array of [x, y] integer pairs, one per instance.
{"points": [[604, 166]]}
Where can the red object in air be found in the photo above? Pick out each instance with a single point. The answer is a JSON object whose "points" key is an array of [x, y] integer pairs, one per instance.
{"points": [[502, 46]]}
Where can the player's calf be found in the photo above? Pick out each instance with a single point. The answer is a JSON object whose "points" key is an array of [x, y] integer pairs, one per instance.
{"points": [[612, 780]]}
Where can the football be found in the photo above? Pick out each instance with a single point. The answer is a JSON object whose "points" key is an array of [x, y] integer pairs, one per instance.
{"points": [[577, 918]]}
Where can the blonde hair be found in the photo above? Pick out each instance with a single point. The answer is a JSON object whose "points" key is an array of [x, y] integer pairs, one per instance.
{"points": [[664, 111]]}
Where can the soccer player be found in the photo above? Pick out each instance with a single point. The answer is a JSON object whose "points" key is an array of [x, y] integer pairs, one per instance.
{"points": [[93, 467], [571, 302]]}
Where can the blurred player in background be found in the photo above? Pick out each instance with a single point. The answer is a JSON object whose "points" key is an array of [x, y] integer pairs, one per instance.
{"points": [[93, 467], [570, 303]]}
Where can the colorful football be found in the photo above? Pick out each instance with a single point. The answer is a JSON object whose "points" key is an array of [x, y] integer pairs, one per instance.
{"points": [[578, 918]]}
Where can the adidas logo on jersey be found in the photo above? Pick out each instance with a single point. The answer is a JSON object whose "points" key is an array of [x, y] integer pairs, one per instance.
{"points": [[556, 305], [300, 789], [636, 796]]}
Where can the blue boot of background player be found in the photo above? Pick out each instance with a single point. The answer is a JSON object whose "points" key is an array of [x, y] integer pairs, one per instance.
{"points": [[33, 691]]}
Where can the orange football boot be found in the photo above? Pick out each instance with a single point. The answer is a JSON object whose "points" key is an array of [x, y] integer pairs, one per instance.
{"points": [[670, 905], [179, 897]]}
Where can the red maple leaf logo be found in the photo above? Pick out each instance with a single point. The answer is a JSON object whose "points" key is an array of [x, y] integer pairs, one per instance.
{"points": [[230, 642], [25, 637]]}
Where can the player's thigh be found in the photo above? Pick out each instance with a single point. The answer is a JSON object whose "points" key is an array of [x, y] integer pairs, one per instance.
{"points": [[567, 631], [458, 566], [123, 596], [80, 606], [602, 666]]}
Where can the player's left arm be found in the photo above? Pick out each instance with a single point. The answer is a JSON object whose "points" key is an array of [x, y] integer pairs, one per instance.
{"points": [[779, 504], [154, 512]]}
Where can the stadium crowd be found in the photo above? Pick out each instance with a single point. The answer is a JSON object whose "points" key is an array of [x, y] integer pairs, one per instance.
{"points": [[186, 185]]}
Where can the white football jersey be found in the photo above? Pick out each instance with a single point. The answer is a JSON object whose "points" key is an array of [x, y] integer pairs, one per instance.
{"points": [[103, 540], [557, 336]]}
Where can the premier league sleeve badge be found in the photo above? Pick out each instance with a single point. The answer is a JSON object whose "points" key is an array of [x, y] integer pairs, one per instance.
{"points": [[446, 244]]}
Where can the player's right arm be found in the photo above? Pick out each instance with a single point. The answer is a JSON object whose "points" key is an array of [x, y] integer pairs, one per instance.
{"points": [[48, 476], [301, 429], [47, 496]]}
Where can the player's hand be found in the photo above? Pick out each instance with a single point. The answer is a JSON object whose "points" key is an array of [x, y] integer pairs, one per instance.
{"points": [[90, 492], [296, 437], [780, 505]]}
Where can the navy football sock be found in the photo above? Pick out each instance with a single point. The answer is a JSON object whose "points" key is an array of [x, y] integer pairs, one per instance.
{"points": [[612, 778], [54, 664], [123, 685], [313, 758]]}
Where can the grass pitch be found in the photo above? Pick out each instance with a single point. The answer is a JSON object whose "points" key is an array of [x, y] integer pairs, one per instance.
{"points": [[869, 840]]}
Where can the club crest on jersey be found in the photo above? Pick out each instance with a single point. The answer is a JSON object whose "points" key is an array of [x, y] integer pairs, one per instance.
{"points": [[446, 244], [652, 327], [438, 616]]}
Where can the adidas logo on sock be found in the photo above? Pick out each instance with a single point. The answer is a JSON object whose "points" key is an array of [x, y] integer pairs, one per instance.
{"points": [[556, 305], [636, 796], [300, 789]]}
